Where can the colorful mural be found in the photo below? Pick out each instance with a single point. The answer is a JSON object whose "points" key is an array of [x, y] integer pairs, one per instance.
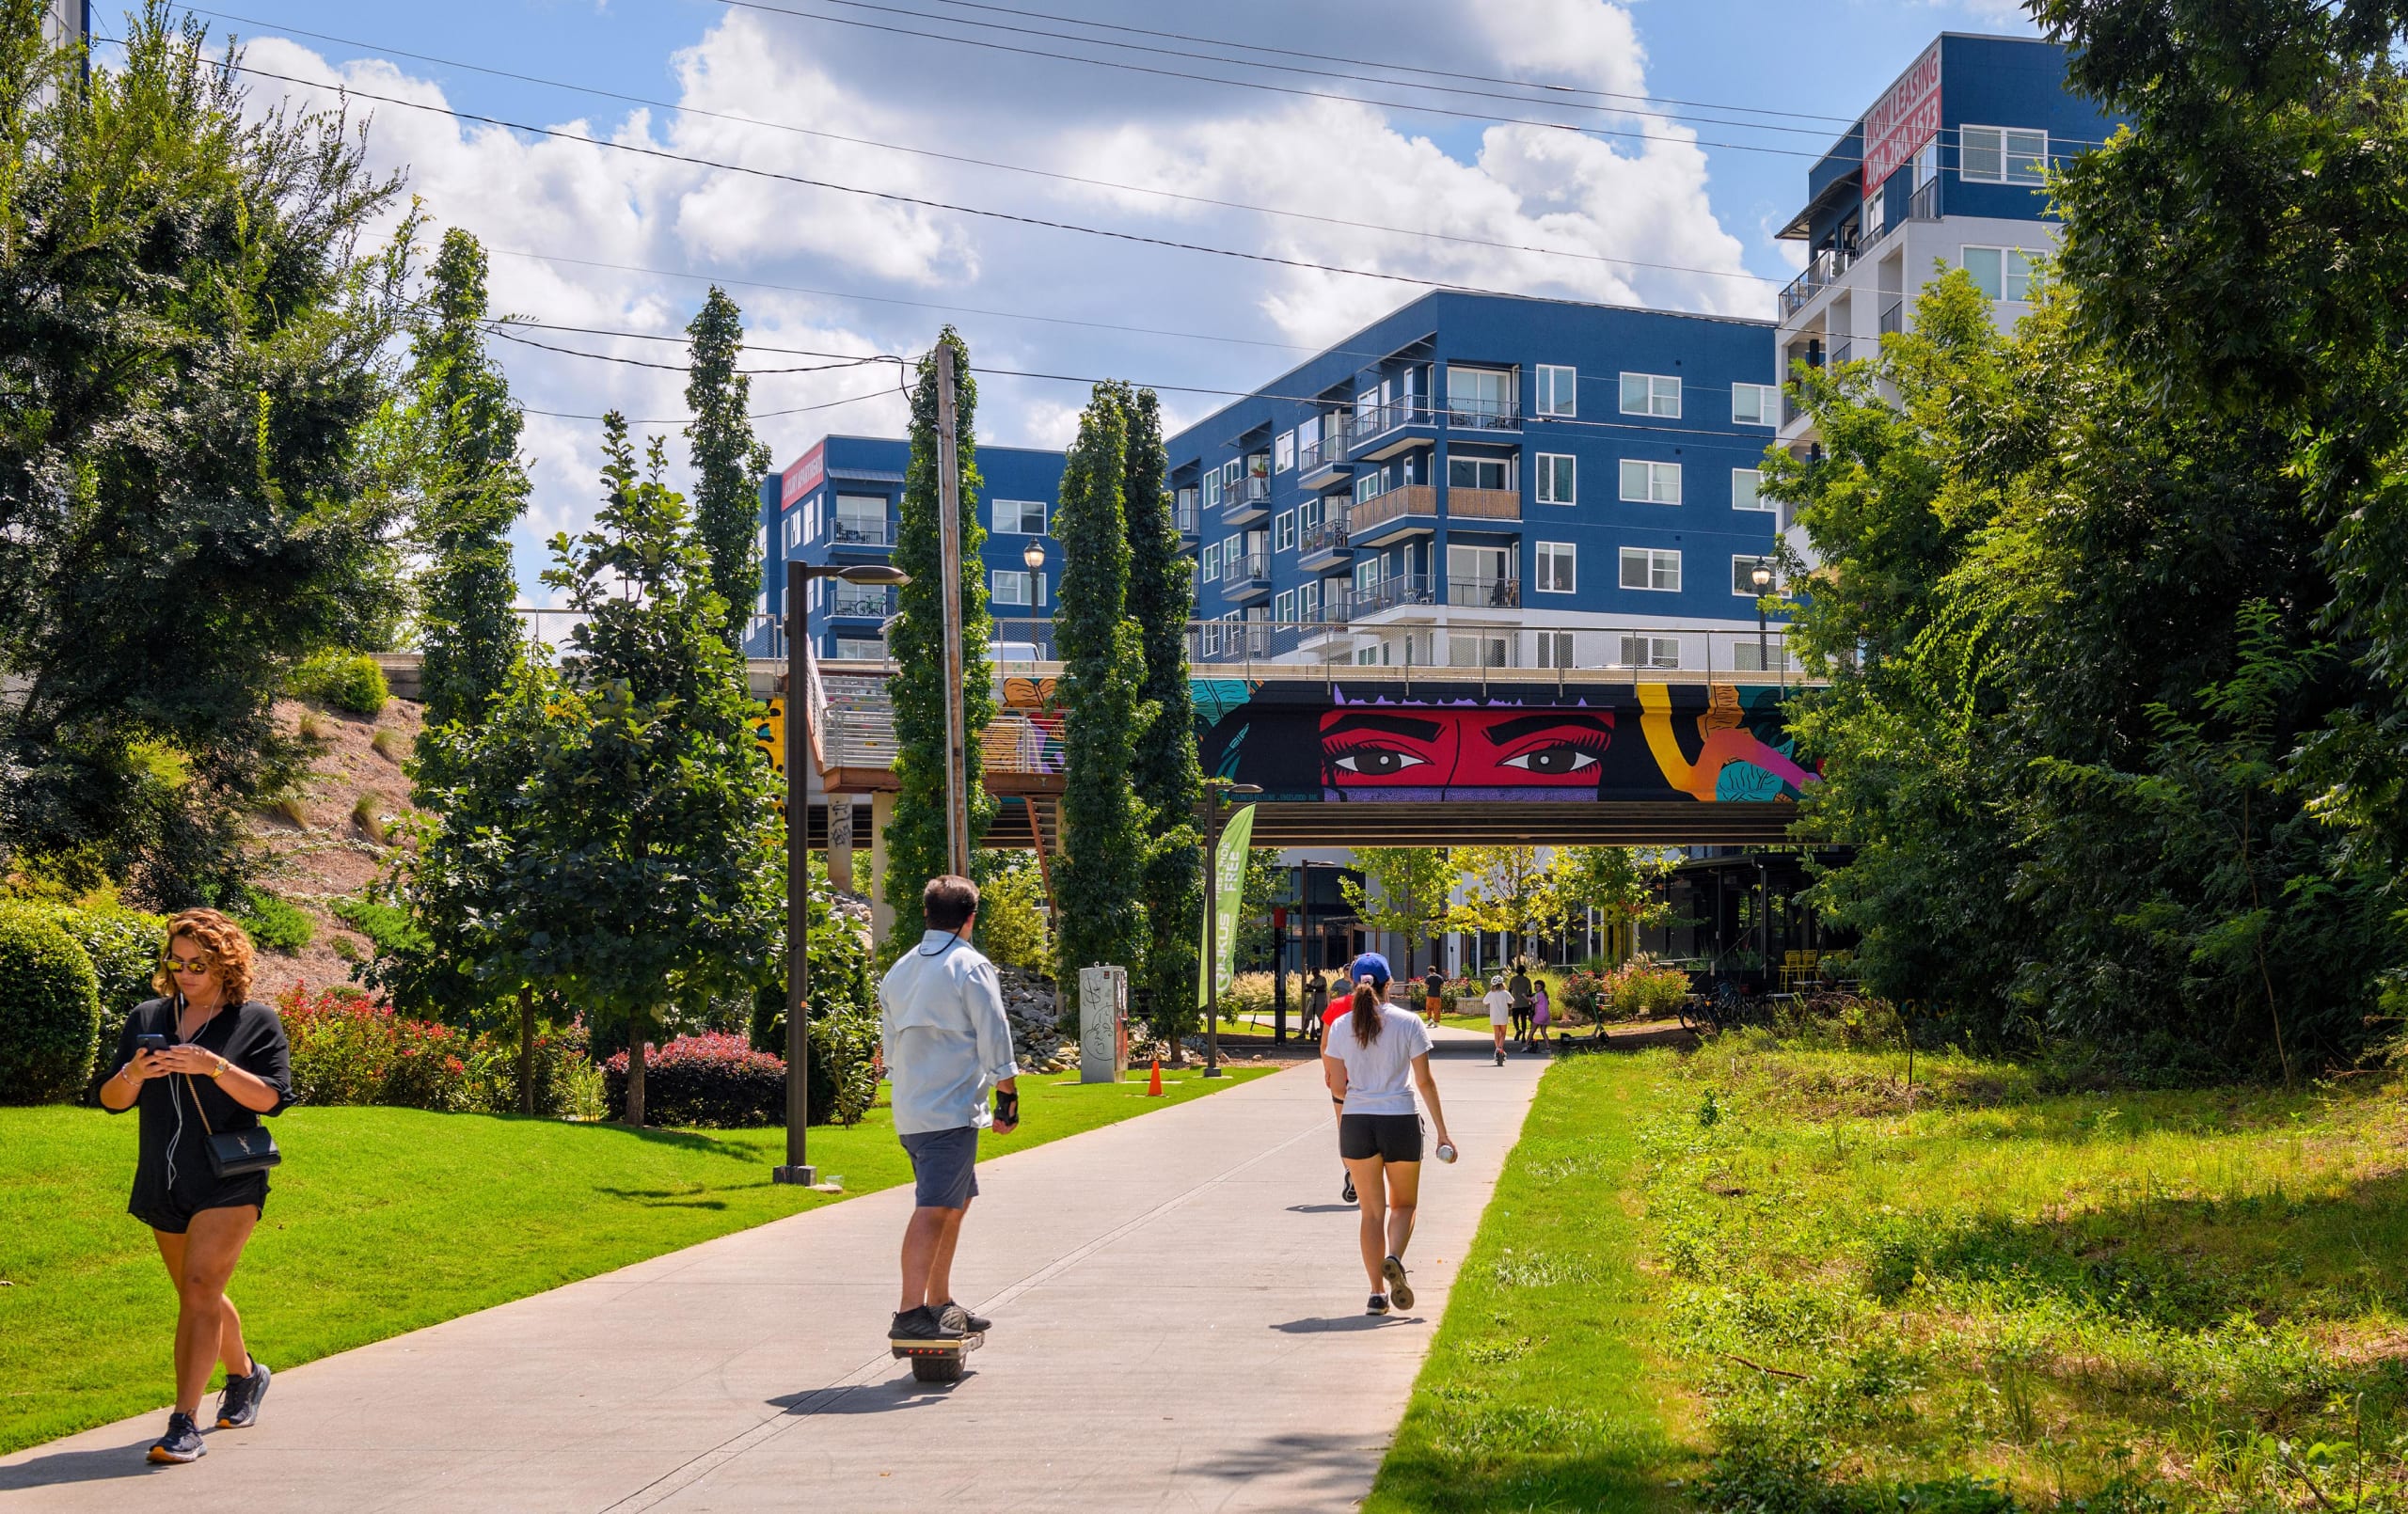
{"points": [[1719, 743]]}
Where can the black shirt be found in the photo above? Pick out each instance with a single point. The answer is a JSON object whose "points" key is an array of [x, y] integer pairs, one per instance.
{"points": [[1519, 987], [1435, 984], [249, 1036]]}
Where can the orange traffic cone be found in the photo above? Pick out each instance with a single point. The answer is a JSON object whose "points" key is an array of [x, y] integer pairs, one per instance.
{"points": [[1154, 1085]]}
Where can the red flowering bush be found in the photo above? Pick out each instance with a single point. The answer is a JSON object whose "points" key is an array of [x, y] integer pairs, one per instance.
{"points": [[712, 1079], [347, 1048], [342, 1044]]}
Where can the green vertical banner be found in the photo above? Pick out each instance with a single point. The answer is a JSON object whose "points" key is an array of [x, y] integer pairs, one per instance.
{"points": [[1237, 839]]}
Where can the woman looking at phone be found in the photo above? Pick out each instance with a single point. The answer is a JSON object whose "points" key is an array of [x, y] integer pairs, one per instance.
{"points": [[203, 1059]]}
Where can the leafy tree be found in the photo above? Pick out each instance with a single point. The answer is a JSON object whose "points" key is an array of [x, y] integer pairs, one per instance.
{"points": [[1405, 889], [916, 838], [190, 340], [659, 838], [1163, 767], [1103, 665], [1504, 892], [472, 488], [728, 461], [1621, 883], [1267, 884], [1011, 914]]}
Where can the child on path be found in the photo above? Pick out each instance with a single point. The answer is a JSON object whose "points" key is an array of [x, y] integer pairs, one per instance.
{"points": [[1541, 1012], [1501, 1007]]}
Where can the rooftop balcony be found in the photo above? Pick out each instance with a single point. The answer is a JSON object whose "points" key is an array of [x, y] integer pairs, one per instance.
{"points": [[861, 533], [1390, 428], [1249, 500], [1822, 270], [1483, 415], [1323, 459]]}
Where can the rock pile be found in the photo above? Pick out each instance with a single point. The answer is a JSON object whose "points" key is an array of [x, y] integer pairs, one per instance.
{"points": [[1028, 1003]]}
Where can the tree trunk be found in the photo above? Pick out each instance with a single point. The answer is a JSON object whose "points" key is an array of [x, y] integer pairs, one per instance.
{"points": [[638, 1026], [526, 1048]]}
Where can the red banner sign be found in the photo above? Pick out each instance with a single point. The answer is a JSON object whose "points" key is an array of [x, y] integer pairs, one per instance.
{"points": [[803, 476], [1904, 118]]}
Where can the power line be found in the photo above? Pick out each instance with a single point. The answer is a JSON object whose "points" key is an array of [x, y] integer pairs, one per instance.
{"points": [[501, 329], [955, 157]]}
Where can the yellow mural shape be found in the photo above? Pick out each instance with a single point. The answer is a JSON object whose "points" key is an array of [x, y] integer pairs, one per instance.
{"points": [[1722, 740]]}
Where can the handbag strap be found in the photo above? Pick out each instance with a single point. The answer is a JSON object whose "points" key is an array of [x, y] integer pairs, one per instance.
{"points": [[196, 1106]]}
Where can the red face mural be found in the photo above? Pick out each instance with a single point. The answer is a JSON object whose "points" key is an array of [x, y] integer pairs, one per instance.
{"points": [[1463, 754]]}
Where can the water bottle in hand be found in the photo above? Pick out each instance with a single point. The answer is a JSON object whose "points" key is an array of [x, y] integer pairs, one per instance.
{"points": [[1445, 1152]]}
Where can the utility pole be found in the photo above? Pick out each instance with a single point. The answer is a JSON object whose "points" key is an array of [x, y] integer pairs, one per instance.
{"points": [[957, 755], [798, 1168]]}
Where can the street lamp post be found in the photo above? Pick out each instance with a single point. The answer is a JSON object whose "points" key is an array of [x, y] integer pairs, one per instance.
{"points": [[798, 1168], [1217, 792], [1761, 576]]}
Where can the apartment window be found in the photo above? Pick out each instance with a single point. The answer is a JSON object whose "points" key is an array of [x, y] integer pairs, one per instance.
{"points": [[861, 649], [1743, 491], [1283, 532], [1309, 602], [1232, 471], [1651, 394], [1474, 472], [1018, 517], [1308, 431], [1015, 586], [1213, 489], [1283, 452], [794, 530], [1558, 568], [1308, 514], [1559, 390], [1651, 651], [2000, 155], [1647, 567], [760, 603], [1755, 404], [1651, 483], [1478, 395], [1555, 648], [1466, 649], [1558, 478], [1212, 563], [761, 541], [1283, 605], [1743, 575], [860, 517], [2000, 273], [1370, 485], [1369, 574]]}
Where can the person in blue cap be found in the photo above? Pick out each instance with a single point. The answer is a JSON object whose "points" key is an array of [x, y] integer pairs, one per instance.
{"points": [[1370, 968]]}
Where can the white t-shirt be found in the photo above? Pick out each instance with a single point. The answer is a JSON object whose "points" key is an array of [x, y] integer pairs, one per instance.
{"points": [[1500, 1006], [1379, 1076]]}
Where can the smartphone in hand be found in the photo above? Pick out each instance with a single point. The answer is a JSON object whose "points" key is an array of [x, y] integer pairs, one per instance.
{"points": [[151, 1041]]}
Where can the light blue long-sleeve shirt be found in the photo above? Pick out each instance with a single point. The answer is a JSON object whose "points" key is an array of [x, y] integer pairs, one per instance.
{"points": [[941, 1013]]}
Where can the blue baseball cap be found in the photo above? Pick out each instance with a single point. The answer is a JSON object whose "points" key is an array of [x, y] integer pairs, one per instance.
{"points": [[1370, 965]]}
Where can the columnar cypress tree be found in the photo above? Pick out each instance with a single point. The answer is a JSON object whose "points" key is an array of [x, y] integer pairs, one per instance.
{"points": [[473, 490], [915, 849], [728, 461], [1102, 666], [1163, 768]]}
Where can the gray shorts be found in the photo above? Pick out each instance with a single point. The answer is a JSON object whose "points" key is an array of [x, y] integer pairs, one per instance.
{"points": [[945, 1173]]}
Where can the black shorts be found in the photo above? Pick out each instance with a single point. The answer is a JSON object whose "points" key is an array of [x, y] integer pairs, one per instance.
{"points": [[171, 1209], [1388, 1137]]}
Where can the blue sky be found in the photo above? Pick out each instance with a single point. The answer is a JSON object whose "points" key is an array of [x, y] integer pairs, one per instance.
{"points": [[1695, 188]]}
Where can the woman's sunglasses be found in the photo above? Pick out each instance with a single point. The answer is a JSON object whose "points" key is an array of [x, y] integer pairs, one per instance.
{"points": [[177, 963]]}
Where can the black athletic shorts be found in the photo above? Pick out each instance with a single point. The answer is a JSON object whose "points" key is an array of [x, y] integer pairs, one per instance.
{"points": [[1388, 1137]]}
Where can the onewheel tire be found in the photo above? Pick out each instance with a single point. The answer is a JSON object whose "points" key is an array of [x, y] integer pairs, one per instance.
{"points": [[937, 1368]]}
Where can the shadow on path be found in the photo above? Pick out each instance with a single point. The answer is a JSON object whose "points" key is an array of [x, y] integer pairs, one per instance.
{"points": [[81, 1466]]}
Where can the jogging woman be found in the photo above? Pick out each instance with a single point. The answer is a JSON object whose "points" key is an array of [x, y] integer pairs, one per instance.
{"points": [[1373, 1059], [202, 1059]]}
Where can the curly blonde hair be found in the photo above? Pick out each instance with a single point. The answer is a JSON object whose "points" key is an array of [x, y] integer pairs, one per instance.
{"points": [[227, 945]]}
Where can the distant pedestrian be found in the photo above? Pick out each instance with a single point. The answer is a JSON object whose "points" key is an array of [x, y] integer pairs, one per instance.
{"points": [[1518, 985], [1541, 1012], [203, 1059], [1500, 1005], [1316, 1005], [947, 1042], [1373, 1060], [1433, 995]]}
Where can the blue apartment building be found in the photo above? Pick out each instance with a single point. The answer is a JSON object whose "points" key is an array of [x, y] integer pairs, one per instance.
{"points": [[1489, 482], [838, 504]]}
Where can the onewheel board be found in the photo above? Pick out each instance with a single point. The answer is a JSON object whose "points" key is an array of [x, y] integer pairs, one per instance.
{"points": [[936, 1360]]}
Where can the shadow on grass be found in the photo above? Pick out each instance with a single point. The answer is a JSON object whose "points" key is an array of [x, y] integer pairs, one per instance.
{"points": [[661, 1198], [60, 1467]]}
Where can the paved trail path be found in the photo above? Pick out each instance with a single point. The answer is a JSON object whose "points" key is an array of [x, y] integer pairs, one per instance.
{"points": [[1178, 1326]]}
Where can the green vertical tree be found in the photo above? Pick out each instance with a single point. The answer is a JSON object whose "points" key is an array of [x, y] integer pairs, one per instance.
{"points": [[1621, 883], [1504, 892], [471, 485], [916, 838], [658, 844], [1404, 890], [1163, 767], [1104, 822], [728, 460]]}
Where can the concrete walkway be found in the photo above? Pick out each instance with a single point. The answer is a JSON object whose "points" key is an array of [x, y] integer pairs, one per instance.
{"points": [[1179, 1325]]}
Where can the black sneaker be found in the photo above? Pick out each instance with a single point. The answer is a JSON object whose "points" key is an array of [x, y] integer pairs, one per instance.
{"points": [[1400, 1292], [956, 1317], [182, 1442], [1379, 1304], [1347, 1192], [1500, 1059], [238, 1407], [920, 1326]]}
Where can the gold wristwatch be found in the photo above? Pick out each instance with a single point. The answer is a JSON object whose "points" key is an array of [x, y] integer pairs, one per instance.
{"points": [[219, 1071]]}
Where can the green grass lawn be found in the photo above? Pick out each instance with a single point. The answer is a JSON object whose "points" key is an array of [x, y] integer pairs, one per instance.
{"points": [[386, 1220], [1774, 1278]]}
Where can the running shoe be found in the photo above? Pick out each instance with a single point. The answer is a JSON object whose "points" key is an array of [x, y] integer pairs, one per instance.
{"points": [[1347, 1192], [917, 1327], [956, 1317], [1500, 1059], [1379, 1304], [238, 1407], [1400, 1292], [182, 1442]]}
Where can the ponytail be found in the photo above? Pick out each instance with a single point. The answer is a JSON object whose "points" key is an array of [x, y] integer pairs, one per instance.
{"points": [[1367, 1015]]}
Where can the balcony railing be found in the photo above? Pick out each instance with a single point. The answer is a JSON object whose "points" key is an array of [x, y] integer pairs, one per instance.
{"points": [[1247, 494], [1924, 204], [1183, 512], [856, 599], [1393, 593], [1381, 420], [1337, 429], [1893, 314], [859, 530], [1484, 593], [1252, 571], [1821, 270], [1329, 535], [1483, 415], [1405, 499], [1485, 504]]}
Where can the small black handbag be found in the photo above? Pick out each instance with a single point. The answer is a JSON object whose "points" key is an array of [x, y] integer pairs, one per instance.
{"points": [[235, 1153]]}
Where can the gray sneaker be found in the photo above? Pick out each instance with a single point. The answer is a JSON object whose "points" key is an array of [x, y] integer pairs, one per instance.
{"points": [[920, 1327], [182, 1442], [956, 1317], [238, 1407]]}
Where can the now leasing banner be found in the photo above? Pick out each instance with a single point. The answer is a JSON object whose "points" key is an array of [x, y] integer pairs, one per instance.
{"points": [[1229, 873]]}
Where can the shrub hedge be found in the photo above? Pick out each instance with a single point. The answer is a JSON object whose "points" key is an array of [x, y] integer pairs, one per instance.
{"points": [[349, 1049], [713, 1081], [349, 681], [123, 945], [50, 1011], [277, 924]]}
